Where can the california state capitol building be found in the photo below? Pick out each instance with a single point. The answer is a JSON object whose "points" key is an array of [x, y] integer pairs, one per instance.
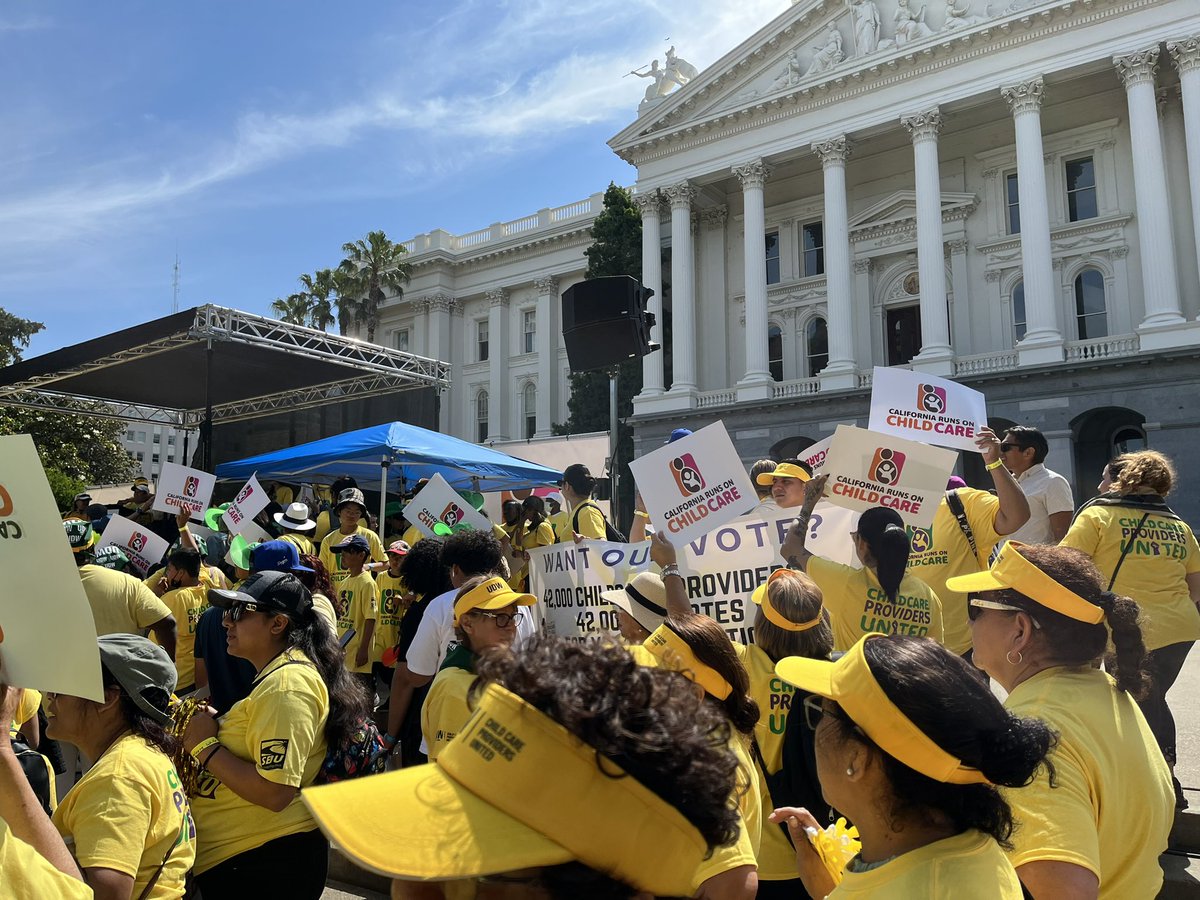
{"points": [[1004, 193]]}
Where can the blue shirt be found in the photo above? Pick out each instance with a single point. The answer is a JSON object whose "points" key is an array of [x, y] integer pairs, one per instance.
{"points": [[229, 677]]}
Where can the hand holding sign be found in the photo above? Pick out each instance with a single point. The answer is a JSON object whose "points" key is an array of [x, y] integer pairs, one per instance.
{"points": [[182, 488], [926, 408]]}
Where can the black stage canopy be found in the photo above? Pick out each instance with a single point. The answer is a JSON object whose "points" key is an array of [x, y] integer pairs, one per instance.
{"points": [[212, 365]]}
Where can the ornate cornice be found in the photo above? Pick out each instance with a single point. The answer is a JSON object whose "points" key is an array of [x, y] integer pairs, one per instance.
{"points": [[1025, 97], [546, 285], [497, 297], [440, 303], [649, 204], [923, 126], [833, 152], [753, 174], [1185, 53], [862, 266], [713, 216], [680, 196], [1137, 68]]}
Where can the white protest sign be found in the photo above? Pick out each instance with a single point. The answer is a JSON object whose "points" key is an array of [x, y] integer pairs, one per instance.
{"points": [[144, 548], [47, 634], [249, 502], [721, 569], [695, 484], [816, 454], [437, 503], [180, 487], [867, 469], [926, 408]]}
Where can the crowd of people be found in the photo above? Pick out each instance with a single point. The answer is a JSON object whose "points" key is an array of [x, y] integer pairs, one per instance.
{"points": [[247, 686]]}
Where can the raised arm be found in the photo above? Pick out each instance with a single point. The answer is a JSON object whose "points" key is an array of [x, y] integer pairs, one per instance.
{"points": [[1014, 506], [793, 549]]}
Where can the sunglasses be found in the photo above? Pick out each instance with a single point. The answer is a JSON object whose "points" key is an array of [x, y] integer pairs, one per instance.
{"points": [[238, 610], [814, 709], [975, 607], [1004, 448], [502, 620]]}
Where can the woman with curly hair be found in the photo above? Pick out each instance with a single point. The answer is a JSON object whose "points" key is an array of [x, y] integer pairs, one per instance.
{"points": [[582, 774], [1145, 551], [1041, 620], [912, 748], [127, 819]]}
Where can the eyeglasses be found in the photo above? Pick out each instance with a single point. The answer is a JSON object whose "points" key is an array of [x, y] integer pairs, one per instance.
{"points": [[238, 610], [1004, 448], [814, 709], [502, 620], [975, 605]]}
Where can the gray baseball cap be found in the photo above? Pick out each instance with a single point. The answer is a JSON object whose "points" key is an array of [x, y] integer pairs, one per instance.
{"points": [[139, 665]]}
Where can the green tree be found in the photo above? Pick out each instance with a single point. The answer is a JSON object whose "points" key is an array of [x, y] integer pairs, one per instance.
{"points": [[15, 333], [616, 250], [373, 268], [293, 309], [81, 448], [320, 288]]}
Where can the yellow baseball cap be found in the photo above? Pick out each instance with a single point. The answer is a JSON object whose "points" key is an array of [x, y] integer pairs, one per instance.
{"points": [[1012, 570], [851, 683], [784, 470], [676, 655], [494, 593], [504, 795], [762, 597]]}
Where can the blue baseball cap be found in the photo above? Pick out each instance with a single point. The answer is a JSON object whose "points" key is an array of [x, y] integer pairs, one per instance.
{"points": [[677, 434], [276, 556], [354, 542]]}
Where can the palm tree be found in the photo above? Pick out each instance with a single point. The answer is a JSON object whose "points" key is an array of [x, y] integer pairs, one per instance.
{"points": [[349, 309], [293, 309], [374, 267], [319, 287]]}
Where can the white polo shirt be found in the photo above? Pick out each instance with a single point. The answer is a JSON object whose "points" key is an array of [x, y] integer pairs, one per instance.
{"points": [[435, 635], [1048, 493]]}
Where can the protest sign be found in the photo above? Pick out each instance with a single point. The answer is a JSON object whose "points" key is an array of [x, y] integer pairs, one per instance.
{"points": [[694, 484], [867, 469], [180, 487], [144, 548], [816, 454], [926, 408], [47, 634], [720, 568], [437, 503], [249, 502]]}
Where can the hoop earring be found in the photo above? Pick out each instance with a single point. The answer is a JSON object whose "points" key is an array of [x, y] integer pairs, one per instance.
{"points": [[1009, 656]]}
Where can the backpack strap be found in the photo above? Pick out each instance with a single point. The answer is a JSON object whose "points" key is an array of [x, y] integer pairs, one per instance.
{"points": [[960, 514], [149, 888], [1129, 546]]}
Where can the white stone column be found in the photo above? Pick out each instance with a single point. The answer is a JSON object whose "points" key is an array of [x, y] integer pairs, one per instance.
{"points": [[842, 371], [546, 341], [935, 356], [683, 291], [1043, 341], [1186, 56], [500, 387], [437, 310], [649, 205], [756, 384], [1160, 285]]}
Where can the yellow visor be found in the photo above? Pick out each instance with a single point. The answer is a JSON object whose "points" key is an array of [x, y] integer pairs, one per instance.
{"points": [[494, 593], [762, 596], [1012, 570], [506, 794], [783, 470], [677, 656], [850, 682]]}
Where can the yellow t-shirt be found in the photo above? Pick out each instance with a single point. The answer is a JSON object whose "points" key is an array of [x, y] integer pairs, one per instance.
{"points": [[445, 710], [27, 708], [120, 603], [542, 536], [1155, 569], [591, 523], [325, 524], [412, 535], [858, 605], [303, 545], [560, 522], [391, 610], [210, 576], [748, 798], [186, 605], [1112, 805], [332, 561], [357, 600], [29, 876], [943, 552], [280, 727], [324, 607], [970, 864], [125, 813]]}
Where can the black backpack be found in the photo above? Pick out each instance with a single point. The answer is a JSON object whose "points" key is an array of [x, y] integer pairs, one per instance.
{"points": [[610, 532], [38, 771]]}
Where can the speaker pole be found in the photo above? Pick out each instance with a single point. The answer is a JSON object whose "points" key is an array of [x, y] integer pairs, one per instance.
{"points": [[613, 468]]}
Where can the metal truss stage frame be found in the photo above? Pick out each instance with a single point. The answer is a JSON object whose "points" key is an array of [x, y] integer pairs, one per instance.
{"points": [[212, 365]]}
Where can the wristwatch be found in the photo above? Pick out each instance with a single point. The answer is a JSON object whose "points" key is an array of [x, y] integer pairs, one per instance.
{"points": [[672, 569]]}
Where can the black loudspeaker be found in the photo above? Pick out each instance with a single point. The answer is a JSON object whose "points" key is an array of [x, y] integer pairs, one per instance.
{"points": [[605, 322]]}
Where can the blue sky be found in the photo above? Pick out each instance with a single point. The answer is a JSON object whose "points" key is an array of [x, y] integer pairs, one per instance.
{"points": [[254, 138]]}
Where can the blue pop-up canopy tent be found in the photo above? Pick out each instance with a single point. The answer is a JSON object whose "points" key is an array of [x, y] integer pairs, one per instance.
{"points": [[395, 455]]}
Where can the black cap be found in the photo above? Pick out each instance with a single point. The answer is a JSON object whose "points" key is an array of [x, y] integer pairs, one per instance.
{"points": [[271, 591]]}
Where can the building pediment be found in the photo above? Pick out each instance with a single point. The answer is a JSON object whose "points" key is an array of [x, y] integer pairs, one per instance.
{"points": [[899, 211]]}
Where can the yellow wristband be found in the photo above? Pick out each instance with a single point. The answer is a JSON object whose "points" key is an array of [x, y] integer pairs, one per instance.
{"points": [[994, 465], [204, 745], [643, 514]]}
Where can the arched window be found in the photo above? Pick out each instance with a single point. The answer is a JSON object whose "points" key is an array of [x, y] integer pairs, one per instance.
{"points": [[1091, 311], [1128, 439], [816, 345], [1018, 312], [775, 352], [481, 416], [529, 401]]}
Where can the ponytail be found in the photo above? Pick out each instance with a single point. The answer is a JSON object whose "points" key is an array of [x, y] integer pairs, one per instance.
{"points": [[1127, 662], [883, 531]]}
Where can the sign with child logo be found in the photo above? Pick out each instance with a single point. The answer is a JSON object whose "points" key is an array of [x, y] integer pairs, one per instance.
{"points": [[866, 469], [708, 484], [439, 504], [145, 549], [925, 408], [249, 502], [181, 487]]}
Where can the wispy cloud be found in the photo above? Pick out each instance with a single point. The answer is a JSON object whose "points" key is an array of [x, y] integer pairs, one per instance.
{"points": [[31, 23]]}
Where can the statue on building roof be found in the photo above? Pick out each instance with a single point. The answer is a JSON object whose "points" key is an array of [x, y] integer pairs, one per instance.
{"points": [[910, 26], [828, 54], [679, 70], [791, 74], [676, 73], [961, 18], [866, 26]]}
